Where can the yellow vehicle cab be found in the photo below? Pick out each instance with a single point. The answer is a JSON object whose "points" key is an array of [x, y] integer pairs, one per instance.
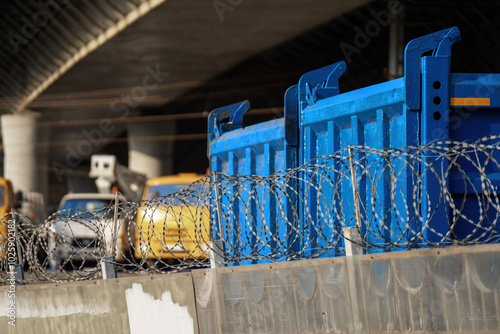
{"points": [[6, 206], [169, 226]]}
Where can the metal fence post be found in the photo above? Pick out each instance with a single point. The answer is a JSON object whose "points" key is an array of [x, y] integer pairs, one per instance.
{"points": [[107, 263], [217, 251], [352, 236]]}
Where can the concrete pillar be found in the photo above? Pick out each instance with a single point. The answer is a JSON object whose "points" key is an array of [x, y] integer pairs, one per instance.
{"points": [[150, 151], [396, 46], [25, 152]]}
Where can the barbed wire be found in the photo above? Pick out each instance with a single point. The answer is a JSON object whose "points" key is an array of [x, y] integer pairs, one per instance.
{"points": [[436, 195]]}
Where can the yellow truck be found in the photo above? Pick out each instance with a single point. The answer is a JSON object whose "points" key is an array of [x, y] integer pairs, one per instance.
{"points": [[6, 206], [173, 227]]}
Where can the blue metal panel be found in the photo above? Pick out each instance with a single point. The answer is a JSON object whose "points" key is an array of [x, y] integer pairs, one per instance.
{"points": [[313, 87], [374, 116], [249, 217], [434, 125], [440, 43], [476, 117], [393, 114], [426, 105]]}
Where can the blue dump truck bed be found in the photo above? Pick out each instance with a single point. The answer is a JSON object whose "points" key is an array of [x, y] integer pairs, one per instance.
{"points": [[404, 164]]}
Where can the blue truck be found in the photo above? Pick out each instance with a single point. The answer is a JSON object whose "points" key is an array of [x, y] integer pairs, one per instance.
{"points": [[407, 163]]}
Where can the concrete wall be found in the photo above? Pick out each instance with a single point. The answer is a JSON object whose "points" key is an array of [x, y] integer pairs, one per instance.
{"points": [[139, 304], [452, 290]]}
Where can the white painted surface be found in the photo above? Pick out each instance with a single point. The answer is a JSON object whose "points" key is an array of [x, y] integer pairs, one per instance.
{"points": [[33, 310], [149, 315]]}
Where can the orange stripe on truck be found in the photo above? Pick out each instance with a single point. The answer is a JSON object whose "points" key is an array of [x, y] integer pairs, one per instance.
{"points": [[470, 101]]}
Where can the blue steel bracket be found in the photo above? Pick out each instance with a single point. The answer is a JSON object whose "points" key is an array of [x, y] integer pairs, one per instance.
{"points": [[320, 84], [235, 114], [440, 43]]}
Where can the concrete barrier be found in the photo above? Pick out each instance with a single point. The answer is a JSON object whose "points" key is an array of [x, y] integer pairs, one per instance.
{"points": [[139, 304], [452, 290]]}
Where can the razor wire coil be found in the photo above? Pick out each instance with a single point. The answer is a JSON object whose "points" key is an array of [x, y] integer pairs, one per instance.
{"points": [[441, 194]]}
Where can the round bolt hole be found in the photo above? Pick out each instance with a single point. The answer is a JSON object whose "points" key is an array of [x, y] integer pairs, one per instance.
{"points": [[436, 85], [436, 100], [437, 115]]}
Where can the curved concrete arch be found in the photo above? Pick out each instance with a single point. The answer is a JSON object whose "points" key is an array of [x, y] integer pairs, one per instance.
{"points": [[43, 40]]}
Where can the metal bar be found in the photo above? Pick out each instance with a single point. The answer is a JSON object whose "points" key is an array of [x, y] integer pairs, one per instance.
{"points": [[107, 263], [357, 213], [218, 248]]}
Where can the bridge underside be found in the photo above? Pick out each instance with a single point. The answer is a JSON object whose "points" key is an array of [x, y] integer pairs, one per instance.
{"points": [[145, 64]]}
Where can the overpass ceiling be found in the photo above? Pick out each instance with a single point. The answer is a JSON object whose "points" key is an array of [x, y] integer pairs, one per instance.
{"points": [[256, 52], [189, 39], [42, 40]]}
